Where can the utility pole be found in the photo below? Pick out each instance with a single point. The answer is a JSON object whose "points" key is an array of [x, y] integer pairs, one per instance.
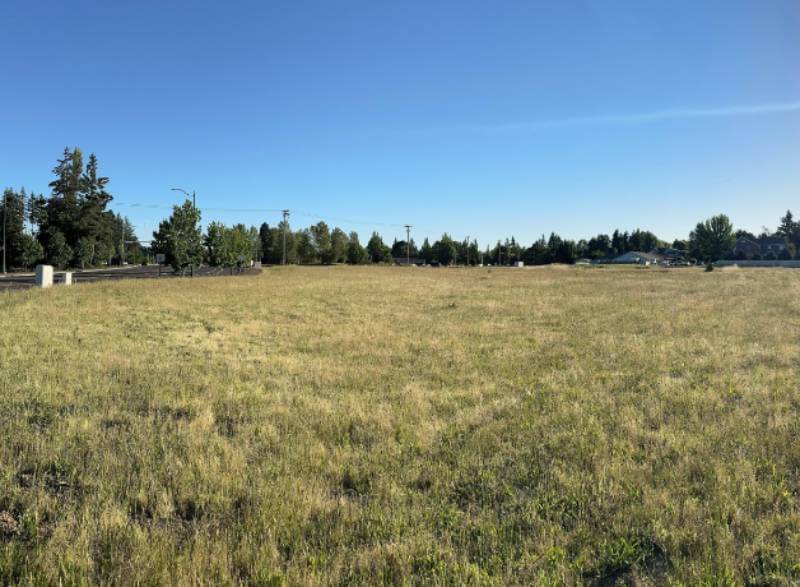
{"points": [[467, 250], [5, 216], [408, 245], [285, 224]]}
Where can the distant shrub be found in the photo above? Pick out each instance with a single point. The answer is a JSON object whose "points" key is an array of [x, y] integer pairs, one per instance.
{"points": [[709, 267]]}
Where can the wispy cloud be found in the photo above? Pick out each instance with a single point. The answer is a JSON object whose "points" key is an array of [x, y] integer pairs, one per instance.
{"points": [[636, 118]]}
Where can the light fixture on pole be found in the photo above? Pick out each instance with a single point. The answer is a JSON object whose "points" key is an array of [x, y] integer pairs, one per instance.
{"points": [[188, 195]]}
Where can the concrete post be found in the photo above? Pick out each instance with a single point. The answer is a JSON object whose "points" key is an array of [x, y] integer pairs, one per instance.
{"points": [[68, 278], [44, 276]]}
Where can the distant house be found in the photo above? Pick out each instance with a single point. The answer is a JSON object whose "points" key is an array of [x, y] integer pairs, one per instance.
{"points": [[635, 258], [748, 248], [670, 254], [409, 261], [773, 244]]}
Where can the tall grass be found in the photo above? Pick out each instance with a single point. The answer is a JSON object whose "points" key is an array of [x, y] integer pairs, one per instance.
{"points": [[392, 425]]}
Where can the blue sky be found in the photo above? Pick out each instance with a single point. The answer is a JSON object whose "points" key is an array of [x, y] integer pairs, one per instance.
{"points": [[487, 119]]}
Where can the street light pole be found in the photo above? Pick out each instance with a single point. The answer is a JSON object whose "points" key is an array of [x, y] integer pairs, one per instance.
{"points": [[192, 195]]}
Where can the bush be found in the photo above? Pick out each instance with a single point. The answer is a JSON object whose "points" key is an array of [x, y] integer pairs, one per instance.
{"points": [[709, 267]]}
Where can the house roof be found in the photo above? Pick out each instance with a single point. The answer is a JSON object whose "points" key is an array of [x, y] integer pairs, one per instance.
{"points": [[635, 256], [412, 261], [669, 252]]}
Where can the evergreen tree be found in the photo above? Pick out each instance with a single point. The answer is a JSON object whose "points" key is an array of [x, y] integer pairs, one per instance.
{"points": [[12, 219], [399, 250], [76, 209], [131, 247], [265, 235], [445, 250], [618, 245], [339, 242], [104, 251], [291, 245], [473, 253], [306, 251], [598, 247], [62, 209], [426, 251], [787, 226], [377, 250], [31, 251], [643, 241], [565, 252], [255, 244], [321, 240], [58, 253], [789, 229], [356, 254], [538, 253], [84, 254]]}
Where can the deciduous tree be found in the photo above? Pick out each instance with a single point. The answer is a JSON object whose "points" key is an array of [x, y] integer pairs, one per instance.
{"points": [[713, 239]]}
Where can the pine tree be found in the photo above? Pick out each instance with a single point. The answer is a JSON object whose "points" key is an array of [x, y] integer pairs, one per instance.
{"points": [[377, 250], [426, 251], [265, 235], [306, 252], [12, 217], [321, 241], [787, 226], [356, 254], [339, 244]]}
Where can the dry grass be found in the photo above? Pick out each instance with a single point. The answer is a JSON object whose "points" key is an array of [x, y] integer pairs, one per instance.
{"points": [[389, 425]]}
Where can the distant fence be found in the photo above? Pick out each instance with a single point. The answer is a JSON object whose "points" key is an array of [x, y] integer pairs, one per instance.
{"points": [[156, 271], [758, 263], [135, 272]]}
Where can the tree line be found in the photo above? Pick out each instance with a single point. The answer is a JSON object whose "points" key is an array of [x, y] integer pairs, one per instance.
{"points": [[74, 227]]}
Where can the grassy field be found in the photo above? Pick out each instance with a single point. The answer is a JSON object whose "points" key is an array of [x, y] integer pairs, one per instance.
{"points": [[388, 425]]}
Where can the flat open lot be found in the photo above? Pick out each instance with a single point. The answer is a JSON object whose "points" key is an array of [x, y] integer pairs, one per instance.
{"points": [[366, 425]]}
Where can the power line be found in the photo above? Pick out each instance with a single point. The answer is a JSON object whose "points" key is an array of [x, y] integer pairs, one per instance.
{"points": [[305, 213]]}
